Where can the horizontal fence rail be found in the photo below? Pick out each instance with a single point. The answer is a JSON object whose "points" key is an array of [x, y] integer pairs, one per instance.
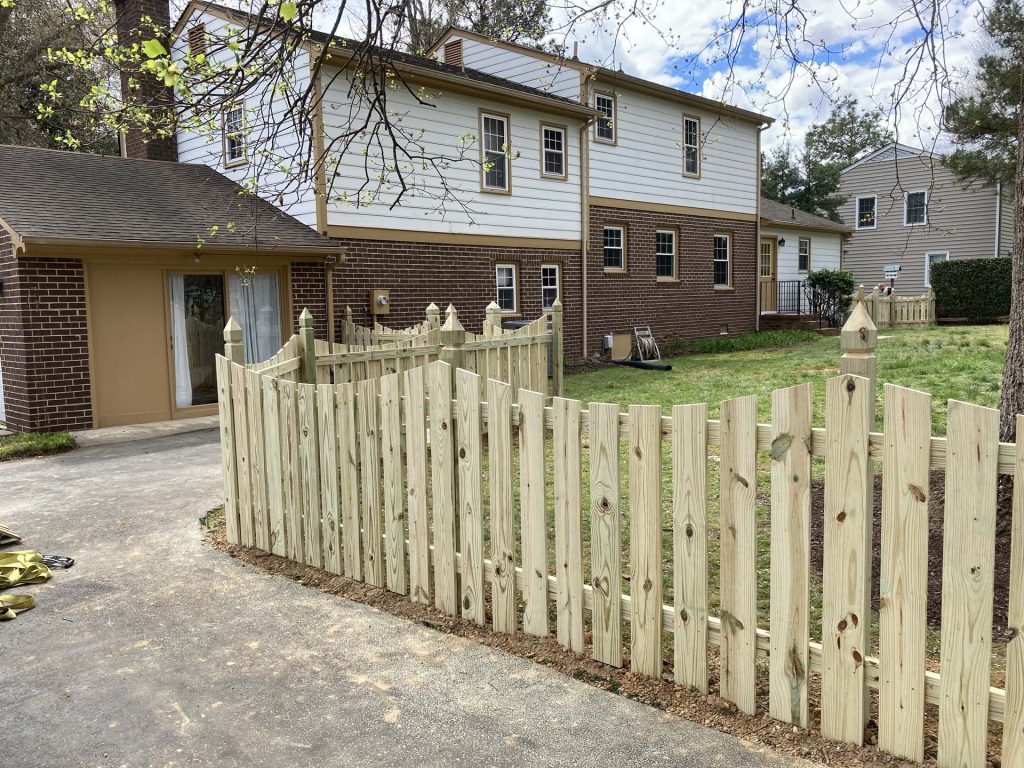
{"points": [[898, 311], [443, 484]]}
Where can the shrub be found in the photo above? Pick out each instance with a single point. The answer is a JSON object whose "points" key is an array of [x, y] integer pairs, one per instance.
{"points": [[977, 289], [832, 292]]}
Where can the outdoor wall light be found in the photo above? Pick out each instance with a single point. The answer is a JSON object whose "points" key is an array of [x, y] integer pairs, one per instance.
{"points": [[782, 242]]}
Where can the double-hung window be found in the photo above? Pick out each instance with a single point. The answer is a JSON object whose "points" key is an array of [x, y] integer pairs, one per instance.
{"points": [[505, 287], [866, 212], [604, 128], [615, 248], [720, 263], [691, 146], [553, 151], [494, 148], [665, 254], [933, 258], [549, 285], [234, 134], [803, 254], [915, 208]]}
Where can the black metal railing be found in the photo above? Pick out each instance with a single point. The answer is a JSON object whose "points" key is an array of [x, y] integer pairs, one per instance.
{"points": [[798, 297]]}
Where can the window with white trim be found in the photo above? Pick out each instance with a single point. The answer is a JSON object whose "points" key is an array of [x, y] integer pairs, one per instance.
{"points": [[720, 262], [691, 146], [665, 254], [866, 212], [234, 133], [803, 254], [615, 248], [550, 279], [505, 286], [553, 145], [604, 128], [915, 208], [494, 147], [933, 258]]}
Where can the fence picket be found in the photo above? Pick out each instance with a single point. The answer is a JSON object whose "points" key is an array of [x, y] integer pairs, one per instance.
{"points": [[645, 538], [288, 404], [348, 480], [738, 587], [605, 519], [470, 498], [568, 525], [442, 473], [903, 582], [370, 480], [416, 486], [503, 542], [308, 453], [533, 513], [690, 544], [257, 459], [246, 533], [846, 615], [790, 553], [968, 552], [276, 467], [394, 489], [229, 461], [1013, 724], [327, 420]]}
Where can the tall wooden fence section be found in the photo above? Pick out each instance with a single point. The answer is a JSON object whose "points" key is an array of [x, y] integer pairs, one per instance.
{"points": [[399, 480]]}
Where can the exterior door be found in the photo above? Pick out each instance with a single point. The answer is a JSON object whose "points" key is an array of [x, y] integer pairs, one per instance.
{"points": [[198, 316], [767, 266]]}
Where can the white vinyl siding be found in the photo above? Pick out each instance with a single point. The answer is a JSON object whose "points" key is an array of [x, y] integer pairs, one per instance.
{"points": [[646, 165], [866, 212], [722, 261], [665, 254], [495, 158], [550, 285], [615, 248], [537, 207], [560, 79], [506, 287], [691, 146], [915, 208], [826, 249]]}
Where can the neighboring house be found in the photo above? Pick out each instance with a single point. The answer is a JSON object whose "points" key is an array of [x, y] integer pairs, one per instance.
{"points": [[111, 310], [907, 208], [635, 203], [794, 243]]}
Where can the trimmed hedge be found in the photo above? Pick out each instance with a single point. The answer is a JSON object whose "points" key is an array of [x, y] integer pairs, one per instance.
{"points": [[977, 289]]}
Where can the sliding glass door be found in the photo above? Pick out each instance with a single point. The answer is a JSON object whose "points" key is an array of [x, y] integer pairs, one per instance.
{"points": [[256, 306], [197, 336]]}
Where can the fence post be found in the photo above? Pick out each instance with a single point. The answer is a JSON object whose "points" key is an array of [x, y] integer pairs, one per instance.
{"points": [[453, 336], [234, 348], [858, 340], [346, 328], [307, 347], [433, 316], [931, 307], [493, 315], [557, 348]]}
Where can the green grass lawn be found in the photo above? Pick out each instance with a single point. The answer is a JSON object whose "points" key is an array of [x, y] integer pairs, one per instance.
{"points": [[25, 444]]}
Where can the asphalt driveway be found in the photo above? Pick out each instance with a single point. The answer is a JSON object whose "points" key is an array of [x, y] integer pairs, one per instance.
{"points": [[157, 650]]}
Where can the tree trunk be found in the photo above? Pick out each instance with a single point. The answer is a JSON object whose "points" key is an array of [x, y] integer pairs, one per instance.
{"points": [[1011, 402]]}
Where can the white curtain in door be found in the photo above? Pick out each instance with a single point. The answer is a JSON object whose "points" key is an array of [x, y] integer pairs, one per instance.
{"points": [[256, 306], [179, 339]]}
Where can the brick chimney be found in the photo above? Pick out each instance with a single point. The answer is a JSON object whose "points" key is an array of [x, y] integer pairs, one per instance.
{"points": [[151, 93]]}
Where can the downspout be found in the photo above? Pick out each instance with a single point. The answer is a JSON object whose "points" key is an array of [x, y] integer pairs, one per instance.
{"points": [[329, 292], [585, 202], [757, 237], [999, 216]]}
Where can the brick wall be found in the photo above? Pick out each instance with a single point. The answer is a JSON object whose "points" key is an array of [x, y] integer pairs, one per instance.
{"points": [[45, 353], [687, 309], [420, 273], [309, 291]]}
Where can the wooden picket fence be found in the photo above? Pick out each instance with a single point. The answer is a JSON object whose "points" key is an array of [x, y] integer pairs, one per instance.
{"points": [[899, 311]]}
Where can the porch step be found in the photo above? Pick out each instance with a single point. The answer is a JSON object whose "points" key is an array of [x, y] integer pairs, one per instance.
{"points": [[773, 322]]}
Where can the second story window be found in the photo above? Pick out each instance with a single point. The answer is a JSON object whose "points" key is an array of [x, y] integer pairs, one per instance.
{"points": [[494, 148], [915, 208], [866, 212], [552, 139], [604, 128], [234, 134], [615, 248], [691, 146], [665, 254], [548, 285], [722, 276], [803, 254]]}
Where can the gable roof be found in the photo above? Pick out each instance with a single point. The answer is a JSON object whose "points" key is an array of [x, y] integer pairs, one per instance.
{"points": [[606, 75], [413, 65], [891, 151], [784, 215], [54, 197]]}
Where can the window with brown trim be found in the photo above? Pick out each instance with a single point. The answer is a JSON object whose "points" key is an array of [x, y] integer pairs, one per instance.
{"points": [[553, 148], [665, 254], [615, 248], [721, 258], [234, 134], [691, 146], [494, 129], [505, 287], [550, 285], [604, 128]]}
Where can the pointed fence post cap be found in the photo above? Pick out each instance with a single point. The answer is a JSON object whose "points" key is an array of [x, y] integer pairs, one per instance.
{"points": [[859, 334], [306, 319], [232, 331], [493, 307], [557, 304], [452, 322], [432, 308]]}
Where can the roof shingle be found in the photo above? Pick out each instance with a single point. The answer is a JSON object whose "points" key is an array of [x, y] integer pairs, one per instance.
{"points": [[787, 215]]}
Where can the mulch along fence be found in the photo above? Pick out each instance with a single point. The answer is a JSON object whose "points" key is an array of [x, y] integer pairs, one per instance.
{"points": [[399, 474]]}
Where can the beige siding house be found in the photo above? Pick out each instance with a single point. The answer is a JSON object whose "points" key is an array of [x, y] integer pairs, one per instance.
{"points": [[906, 208]]}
